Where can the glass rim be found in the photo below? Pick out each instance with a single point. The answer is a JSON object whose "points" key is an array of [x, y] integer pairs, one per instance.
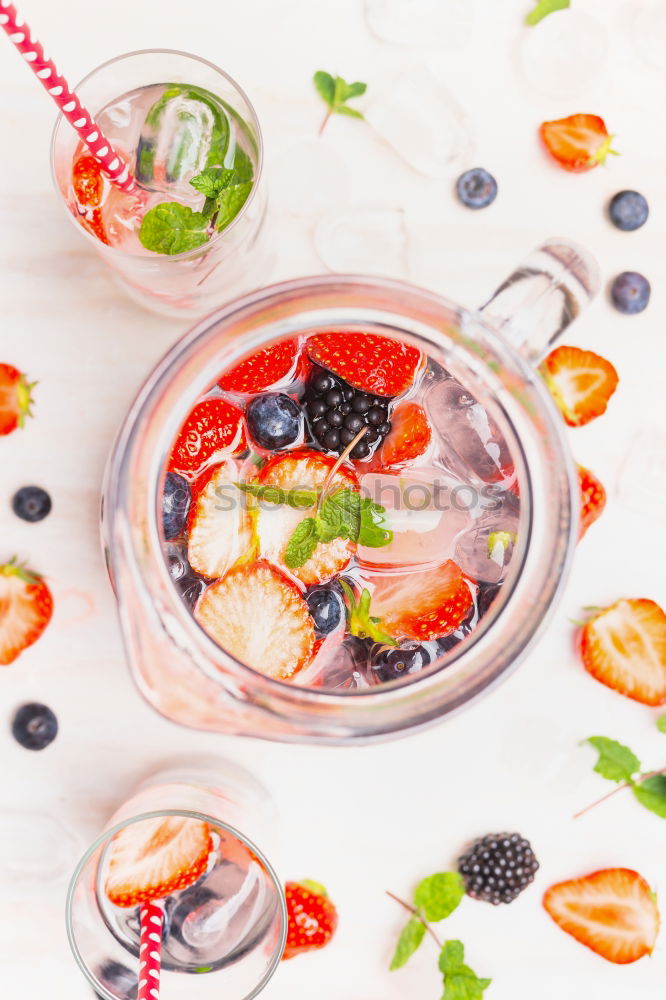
{"points": [[111, 831], [59, 123]]}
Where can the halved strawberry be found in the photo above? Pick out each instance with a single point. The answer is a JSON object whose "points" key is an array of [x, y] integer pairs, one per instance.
{"points": [[312, 918], [581, 383], [409, 436], [578, 143], [379, 365], [276, 523], [26, 607], [264, 369], [15, 398], [214, 430], [424, 605], [94, 223], [220, 526], [151, 859], [87, 181], [592, 499], [260, 617], [624, 647], [612, 911]]}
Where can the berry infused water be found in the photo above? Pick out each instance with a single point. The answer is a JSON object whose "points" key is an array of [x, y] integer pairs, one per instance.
{"points": [[338, 511]]}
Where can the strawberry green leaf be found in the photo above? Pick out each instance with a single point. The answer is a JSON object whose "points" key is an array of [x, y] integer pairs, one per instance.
{"points": [[661, 723], [439, 895], [408, 942], [170, 228], [325, 85], [374, 531], [616, 762], [544, 8], [360, 622], [651, 793], [302, 543]]}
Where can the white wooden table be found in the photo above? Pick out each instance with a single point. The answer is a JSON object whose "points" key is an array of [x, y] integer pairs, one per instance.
{"points": [[360, 820]]}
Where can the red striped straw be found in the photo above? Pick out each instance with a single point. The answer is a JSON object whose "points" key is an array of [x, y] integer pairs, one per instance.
{"points": [[112, 163], [150, 948]]}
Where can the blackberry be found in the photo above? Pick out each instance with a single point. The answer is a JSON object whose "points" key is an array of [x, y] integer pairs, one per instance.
{"points": [[497, 867], [336, 412]]}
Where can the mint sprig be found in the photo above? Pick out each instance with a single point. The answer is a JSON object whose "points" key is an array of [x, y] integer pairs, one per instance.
{"points": [[460, 982], [618, 763], [335, 92], [544, 8], [342, 514], [274, 494]]}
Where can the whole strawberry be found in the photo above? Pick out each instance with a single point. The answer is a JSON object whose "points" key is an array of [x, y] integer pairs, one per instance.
{"points": [[312, 918], [15, 399]]}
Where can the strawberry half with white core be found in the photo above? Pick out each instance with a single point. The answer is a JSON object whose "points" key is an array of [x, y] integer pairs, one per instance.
{"points": [[220, 524], [581, 383], [213, 431], [424, 605], [367, 361], [264, 369], [276, 523], [152, 858], [26, 607], [257, 615]]}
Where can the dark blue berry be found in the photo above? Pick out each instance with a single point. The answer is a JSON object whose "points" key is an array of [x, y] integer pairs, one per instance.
{"points": [[322, 382], [34, 726], [317, 408], [630, 293], [119, 980], [393, 663], [326, 608], [628, 210], [332, 441], [476, 188], [333, 397], [189, 585], [176, 499], [31, 503], [376, 415], [360, 450], [360, 403], [486, 595], [273, 420], [354, 422]]}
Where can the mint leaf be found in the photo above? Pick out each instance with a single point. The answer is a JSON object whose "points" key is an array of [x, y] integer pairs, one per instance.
{"points": [[661, 723], [335, 92], [409, 940], [374, 531], [325, 85], [350, 112], [302, 543], [438, 895], [340, 516], [171, 228], [274, 494], [355, 89], [616, 762], [544, 8], [229, 203], [651, 793], [460, 982], [242, 165], [451, 956], [212, 181]]}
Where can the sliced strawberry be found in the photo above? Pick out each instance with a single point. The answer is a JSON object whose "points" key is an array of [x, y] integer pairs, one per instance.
{"points": [[612, 911], [312, 918], [578, 143], [592, 499], [15, 398], [214, 430], [424, 605], [26, 607], [624, 647], [87, 181], [220, 526], [257, 615], [379, 365], [264, 369], [276, 523], [581, 383], [409, 436], [151, 859]]}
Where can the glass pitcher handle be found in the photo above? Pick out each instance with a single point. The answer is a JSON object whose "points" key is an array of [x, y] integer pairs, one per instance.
{"points": [[536, 303]]}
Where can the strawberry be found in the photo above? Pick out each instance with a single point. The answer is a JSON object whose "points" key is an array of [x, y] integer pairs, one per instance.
{"points": [[264, 369], [624, 647], [375, 364], [260, 617], [26, 607], [425, 605], [612, 911], [276, 523], [312, 918], [581, 383], [87, 181], [220, 526], [15, 398], [409, 436], [155, 857], [592, 499], [94, 223], [578, 143], [213, 430]]}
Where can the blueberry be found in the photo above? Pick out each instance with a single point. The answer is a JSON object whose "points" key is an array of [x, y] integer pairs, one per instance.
{"points": [[118, 979], [354, 422], [322, 382], [376, 415], [273, 420], [316, 408], [333, 397], [630, 293], [628, 210], [332, 440], [360, 450], [326, 608], [334, 418], [486, 595], [31, 503], [393, 663], [476, 188], [34, 726], [189, 585], [175, 504]]}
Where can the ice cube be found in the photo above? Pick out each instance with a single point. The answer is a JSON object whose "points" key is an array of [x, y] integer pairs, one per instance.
{"points": [[641, 482], [424, 123], [309, 178], [364, 240], [484, 550], [339, 665], [564, 54], [446, 23]]}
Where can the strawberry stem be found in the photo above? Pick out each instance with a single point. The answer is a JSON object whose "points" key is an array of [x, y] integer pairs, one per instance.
{"points": [[416, 913]]}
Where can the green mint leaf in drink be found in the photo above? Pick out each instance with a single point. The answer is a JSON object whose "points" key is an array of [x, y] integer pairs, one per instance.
{"points": [[325, 85], [274, 494], [544, 8], [229, 203], [242, 165], [651, 793], [460, 982], [616, 762], [374, 531], [170, 228], [340, 515], [410, 938], [661, 723], [212, 181], [302, 543], [438, 895]]}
